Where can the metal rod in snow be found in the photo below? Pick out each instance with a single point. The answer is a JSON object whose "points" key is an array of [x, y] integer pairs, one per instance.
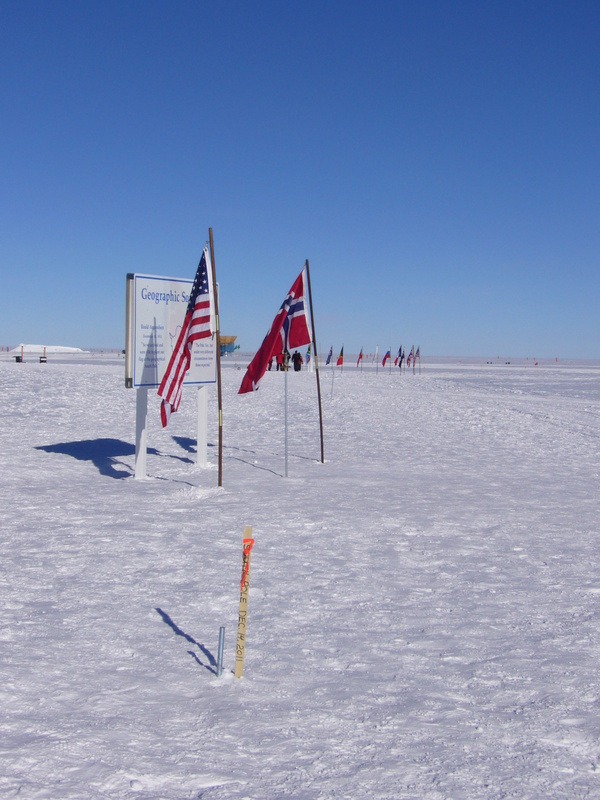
{"points": [[220, 651]]}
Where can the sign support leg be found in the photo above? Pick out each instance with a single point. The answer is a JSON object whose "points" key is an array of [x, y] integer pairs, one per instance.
{"points": [[141, 432]]}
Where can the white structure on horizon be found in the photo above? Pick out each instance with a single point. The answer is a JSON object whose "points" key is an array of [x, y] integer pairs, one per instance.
{"points": [[44, 349]]}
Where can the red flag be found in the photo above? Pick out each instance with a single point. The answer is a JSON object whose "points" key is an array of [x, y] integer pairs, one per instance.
{"points": [[360, 356], [340, 360], [196, 325], [289, 330], [385, 358]]}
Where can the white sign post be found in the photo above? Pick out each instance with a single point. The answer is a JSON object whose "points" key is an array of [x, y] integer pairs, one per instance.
{"points": [[156, 308], [141, 433], [202, 441]]}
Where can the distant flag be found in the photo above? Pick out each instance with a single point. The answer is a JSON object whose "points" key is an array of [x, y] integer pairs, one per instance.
{"points": [[340, 361], [411, 356], [376, 356], [308, 356], [329, 356], [289, 330], [397, 359], [360, 357], [196, 325], [418, 353], [402, 356], [385, 358]]}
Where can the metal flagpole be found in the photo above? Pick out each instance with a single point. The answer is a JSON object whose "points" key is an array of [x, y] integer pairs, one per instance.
{"points": [[285, 416], [218, 338], [314, 337]]}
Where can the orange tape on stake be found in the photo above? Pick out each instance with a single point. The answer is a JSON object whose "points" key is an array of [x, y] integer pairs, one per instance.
{"points": [[248, 545]]}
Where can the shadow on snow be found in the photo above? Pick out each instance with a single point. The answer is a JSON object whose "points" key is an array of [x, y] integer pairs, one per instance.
{"points": [[212, 663], [103, 453]]}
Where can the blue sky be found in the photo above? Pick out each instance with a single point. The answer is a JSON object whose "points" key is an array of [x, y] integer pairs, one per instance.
{"points": [[438, 163]]}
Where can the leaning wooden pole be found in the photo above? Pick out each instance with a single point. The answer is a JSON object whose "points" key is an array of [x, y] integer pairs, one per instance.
{"points": [[314, 338], [240, 649], [218, 344]]}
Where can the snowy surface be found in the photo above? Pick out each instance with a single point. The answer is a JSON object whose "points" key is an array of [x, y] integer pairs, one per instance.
{"points": [[423, 617]]}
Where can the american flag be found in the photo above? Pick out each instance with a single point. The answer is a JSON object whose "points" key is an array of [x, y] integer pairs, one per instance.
{"points": [[289, 329], [196, 325]]}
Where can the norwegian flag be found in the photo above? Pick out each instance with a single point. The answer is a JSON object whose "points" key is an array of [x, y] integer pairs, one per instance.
{"points": [[196, 325], [289, 330]]}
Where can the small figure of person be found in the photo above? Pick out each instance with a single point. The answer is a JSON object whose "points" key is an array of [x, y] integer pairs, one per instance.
{"points": [[279, 361], [297, 361], [286, 360]]}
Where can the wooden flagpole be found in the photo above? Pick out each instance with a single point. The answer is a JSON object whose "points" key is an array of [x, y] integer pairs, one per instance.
{"points": [[314, 337], [218, 338]]}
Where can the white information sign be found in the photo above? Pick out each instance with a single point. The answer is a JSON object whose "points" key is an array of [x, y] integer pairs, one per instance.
{"points": [[156, 309]]}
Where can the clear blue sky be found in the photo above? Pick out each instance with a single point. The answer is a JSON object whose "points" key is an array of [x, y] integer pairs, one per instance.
{"points": [[438, 163]]}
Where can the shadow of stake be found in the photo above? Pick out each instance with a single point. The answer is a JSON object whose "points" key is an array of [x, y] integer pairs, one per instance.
{"points": [[212, 663]]}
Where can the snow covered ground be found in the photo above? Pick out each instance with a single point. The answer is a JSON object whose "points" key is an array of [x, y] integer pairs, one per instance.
{"points": [[424, 607]]}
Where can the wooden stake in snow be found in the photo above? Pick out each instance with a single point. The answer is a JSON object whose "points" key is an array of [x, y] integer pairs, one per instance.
{"points": [[240, 648]]}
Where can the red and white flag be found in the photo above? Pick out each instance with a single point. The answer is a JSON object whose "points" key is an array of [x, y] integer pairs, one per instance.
{"points": [[289, 330], [196, 325]]}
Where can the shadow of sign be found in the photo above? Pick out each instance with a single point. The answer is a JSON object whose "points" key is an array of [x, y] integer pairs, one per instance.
{"points": [[212, 663], [104, 454], [186, 443]]}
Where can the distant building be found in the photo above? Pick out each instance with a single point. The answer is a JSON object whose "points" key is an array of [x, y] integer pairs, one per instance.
{"points": [[228, 345]]}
